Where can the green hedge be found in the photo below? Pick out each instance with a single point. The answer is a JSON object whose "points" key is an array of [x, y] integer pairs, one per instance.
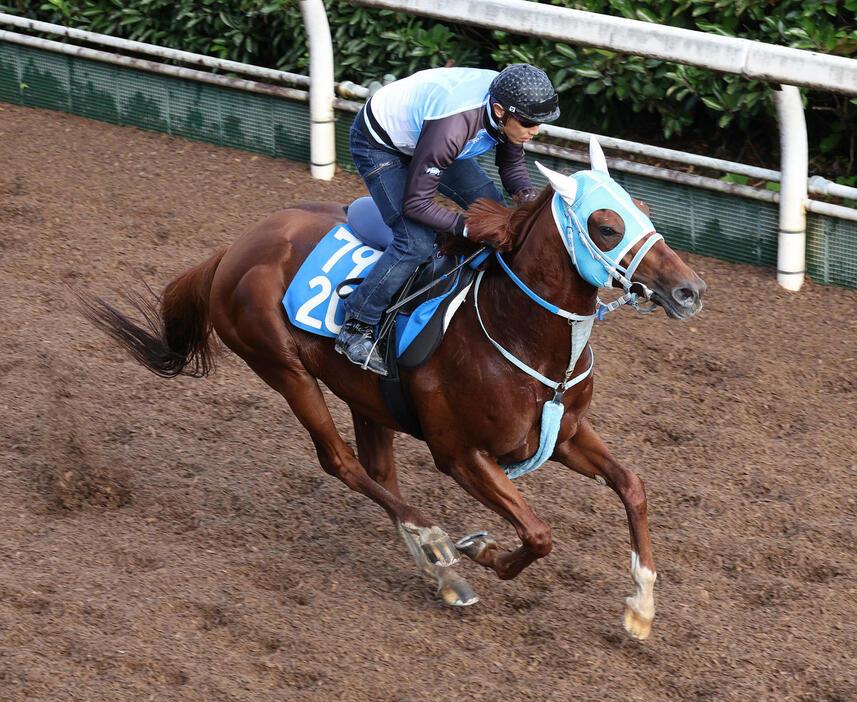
{"points": [[602, 91]]}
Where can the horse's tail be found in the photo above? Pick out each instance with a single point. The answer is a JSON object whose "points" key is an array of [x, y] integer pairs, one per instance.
{"points": [[174, 336]]}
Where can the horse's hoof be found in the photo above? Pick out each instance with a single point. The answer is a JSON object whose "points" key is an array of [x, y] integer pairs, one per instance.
{"points": [[474, 544], [638, 626], [458, 595], [454, 590]]}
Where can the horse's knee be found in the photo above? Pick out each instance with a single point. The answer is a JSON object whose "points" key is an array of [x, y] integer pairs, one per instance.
{"points": [[633, 492], [538, 541], [337, 464]]}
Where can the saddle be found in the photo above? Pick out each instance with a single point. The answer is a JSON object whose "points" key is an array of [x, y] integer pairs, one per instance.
{"points": [[414, 325]]}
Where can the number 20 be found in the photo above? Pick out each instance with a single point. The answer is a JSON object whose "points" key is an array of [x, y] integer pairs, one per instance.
{"points": [[362, 258]]}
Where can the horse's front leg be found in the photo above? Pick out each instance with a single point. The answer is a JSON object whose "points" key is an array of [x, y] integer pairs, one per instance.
{"points": [[485, 480], [587, 454]]}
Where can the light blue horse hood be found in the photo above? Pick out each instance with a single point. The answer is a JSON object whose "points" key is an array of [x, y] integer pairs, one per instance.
{"points": [[596, 190]]}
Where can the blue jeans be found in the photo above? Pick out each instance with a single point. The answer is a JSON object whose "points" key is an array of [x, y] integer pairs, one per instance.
{"points": [[384, 174]]}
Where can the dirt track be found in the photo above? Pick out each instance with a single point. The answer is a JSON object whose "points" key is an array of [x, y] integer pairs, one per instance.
{"points": [[176, 540]]}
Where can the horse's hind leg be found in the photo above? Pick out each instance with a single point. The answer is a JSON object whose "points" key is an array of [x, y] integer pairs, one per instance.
{"points": [[307, 403], [375, 451], [257, 333], [587, 454]]}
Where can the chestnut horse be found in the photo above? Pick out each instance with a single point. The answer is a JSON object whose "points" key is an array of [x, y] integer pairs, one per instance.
{"points": [[479, 408]]}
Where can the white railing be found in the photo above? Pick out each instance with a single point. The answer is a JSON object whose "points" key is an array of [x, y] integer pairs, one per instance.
{"points": [[749, 59], [348, 92], [162, 52]]}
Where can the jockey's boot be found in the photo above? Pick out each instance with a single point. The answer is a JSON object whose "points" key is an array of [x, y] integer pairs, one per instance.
{"points": [[356, 340]]}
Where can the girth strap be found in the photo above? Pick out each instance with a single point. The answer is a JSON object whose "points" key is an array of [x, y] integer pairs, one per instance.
{"points": [[391, 384]]}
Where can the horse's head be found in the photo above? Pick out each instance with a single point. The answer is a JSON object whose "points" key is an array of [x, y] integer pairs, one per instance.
{"points": [[611, 239]]}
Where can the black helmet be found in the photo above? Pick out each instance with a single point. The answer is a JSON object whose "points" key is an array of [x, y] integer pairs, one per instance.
{"points": [[527, 92]]}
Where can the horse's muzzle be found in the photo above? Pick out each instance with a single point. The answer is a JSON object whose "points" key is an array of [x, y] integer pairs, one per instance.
{"points": [[683, 300]]}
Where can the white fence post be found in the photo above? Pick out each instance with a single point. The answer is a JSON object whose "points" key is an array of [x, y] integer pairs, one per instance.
{"points": [[322, 133], [791, 251]]}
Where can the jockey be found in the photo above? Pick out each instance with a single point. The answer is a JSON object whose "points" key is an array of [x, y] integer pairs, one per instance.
{"points": [[417, 137]]}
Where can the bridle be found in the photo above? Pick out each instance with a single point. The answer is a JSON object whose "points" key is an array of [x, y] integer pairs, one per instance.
{"points": [[572, 231], [635, 291]]}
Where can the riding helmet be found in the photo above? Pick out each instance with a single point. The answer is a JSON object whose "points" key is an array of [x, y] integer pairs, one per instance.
{"points": [[527, 92]]}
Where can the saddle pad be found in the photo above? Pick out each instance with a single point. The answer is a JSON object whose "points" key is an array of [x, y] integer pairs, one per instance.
{"points": [[312, 304], [310, 300]]}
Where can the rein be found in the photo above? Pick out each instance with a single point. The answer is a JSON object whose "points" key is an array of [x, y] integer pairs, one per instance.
{"points": [[550, 307], [431, 284]]}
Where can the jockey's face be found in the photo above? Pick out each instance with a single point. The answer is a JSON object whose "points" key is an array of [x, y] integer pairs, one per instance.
{"points": [[516, 130]]}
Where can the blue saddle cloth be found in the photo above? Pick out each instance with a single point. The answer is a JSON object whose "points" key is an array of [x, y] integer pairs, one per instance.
{"points": [[312, 304]]}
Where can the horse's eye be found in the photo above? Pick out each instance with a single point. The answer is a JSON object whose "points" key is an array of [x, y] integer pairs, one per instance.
{"points": [[608, 232]]}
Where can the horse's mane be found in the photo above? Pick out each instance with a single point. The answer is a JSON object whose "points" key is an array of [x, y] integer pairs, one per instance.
{"points": [[488, 219]]}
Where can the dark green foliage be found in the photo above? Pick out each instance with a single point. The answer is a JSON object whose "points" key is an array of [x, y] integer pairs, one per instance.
{"points": [[602, 91]]}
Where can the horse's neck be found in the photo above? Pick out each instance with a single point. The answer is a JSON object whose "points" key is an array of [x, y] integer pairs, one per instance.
{"points": [[543, 264]]}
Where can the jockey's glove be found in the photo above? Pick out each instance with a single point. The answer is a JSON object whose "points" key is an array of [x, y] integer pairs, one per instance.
{"points": [[525, 195]]}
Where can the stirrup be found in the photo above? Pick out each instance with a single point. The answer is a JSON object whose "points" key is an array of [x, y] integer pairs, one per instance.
{"points": [[356, 352]]}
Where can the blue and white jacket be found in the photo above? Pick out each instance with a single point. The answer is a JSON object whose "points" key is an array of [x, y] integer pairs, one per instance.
{"points": [[436, 117]]}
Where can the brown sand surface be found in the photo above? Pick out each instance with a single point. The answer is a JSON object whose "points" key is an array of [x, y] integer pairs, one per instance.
{"points": [[176, 540]]}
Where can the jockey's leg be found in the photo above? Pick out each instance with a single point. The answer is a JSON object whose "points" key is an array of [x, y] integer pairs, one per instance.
{"points": [[412, 244], [385, 175]]}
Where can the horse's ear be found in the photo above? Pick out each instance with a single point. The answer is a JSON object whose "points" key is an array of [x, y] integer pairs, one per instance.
{"points": [[596, 155], [566, 187]]}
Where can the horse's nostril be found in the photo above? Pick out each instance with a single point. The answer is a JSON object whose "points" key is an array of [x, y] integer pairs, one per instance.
{"points": [[684, 295]]}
